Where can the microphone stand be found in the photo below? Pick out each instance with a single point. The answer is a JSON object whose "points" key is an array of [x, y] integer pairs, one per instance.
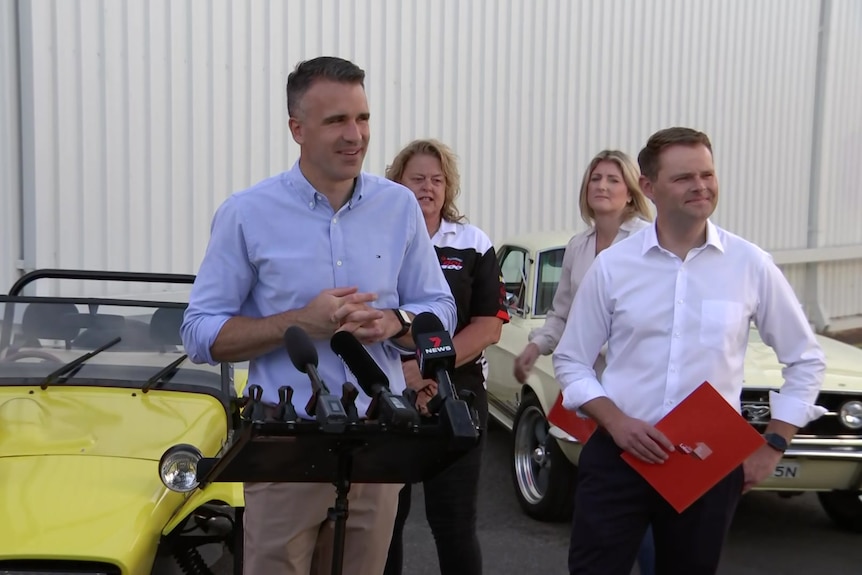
{"points": [[339, 513]]}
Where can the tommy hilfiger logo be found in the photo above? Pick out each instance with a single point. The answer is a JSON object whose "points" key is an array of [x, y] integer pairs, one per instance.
{"points": [[451, 263]]}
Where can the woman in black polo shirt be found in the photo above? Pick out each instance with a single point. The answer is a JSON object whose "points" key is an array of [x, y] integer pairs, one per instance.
{"points": [[428, 168]]}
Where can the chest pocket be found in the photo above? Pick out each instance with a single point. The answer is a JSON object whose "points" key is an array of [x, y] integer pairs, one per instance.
{"points": [[723, 324]]}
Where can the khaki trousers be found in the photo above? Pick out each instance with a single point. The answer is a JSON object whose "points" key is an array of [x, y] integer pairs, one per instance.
{"points": [[287, 531]]}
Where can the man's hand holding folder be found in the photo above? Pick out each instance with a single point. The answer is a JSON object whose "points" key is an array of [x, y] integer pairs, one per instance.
{"points": [[704, 439]]}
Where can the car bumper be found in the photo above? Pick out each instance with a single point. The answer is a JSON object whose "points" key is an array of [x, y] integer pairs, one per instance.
{"points": [[809, 464]]}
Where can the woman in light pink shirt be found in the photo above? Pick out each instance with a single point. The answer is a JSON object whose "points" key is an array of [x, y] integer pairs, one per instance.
{"points": [[614, 207]]}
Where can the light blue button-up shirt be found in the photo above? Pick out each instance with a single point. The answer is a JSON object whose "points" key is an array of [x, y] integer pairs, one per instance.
{"points": [[276, 245]]}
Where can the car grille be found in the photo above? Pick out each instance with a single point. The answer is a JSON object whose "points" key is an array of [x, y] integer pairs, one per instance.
{"points": [[57, 568], [755, 409]]}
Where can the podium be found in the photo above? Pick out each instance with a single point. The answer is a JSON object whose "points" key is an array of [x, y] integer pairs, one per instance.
{"points": [[364, 452]]}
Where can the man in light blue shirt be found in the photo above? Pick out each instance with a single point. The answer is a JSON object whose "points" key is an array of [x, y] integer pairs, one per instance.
{"points": [[326, 247]]}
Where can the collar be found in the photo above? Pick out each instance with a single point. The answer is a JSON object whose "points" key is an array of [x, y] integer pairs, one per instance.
{"points": [[446, 227], [630, 226], [712, 238], [310, 196]]}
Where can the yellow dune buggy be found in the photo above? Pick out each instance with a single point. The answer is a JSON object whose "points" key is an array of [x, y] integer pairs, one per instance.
{"points": [[102, 422]]}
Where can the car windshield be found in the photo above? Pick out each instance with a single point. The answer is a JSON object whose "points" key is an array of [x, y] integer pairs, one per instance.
{"points": [[115, 344], [548, 277]]}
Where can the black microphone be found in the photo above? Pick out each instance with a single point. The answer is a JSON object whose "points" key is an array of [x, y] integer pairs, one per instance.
{"points": [[385, 406], [435, 354], [322, 405]]}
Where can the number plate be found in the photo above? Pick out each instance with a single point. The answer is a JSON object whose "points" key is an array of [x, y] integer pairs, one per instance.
{"points": [[786, 470]]}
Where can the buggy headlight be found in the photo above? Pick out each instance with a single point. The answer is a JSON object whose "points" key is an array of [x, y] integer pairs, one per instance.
{"points": [[178, 468], [850, 414]]}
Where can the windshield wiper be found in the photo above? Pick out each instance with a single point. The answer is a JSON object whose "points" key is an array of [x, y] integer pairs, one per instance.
{"points": [[76, 364], [165, 373]]}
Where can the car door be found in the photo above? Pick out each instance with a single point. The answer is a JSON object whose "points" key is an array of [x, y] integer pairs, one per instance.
{"points": [[503, 388]]}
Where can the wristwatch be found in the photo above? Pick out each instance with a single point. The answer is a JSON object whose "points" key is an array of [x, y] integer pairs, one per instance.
{"points": [[405, 321], [775, 441]]}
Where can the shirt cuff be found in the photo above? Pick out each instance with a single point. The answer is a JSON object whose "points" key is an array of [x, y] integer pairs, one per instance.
{"points": [[542, 341], [201, 338], [580, 392], [790, 410]]}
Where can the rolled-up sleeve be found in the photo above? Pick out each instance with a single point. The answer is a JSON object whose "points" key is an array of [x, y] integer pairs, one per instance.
{"points": [[783, 326], [422, 287], [582, 340], [223, 282]]}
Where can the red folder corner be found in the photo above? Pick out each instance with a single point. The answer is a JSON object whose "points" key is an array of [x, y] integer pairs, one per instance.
{"points": [[578, 427], [710, 438]]}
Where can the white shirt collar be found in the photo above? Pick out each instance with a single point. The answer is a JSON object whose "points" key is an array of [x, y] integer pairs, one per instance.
{"points": [[712, 238], [446, 227]]}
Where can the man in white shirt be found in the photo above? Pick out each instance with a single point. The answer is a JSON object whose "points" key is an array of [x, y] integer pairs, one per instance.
{"points": [[674, 303]]}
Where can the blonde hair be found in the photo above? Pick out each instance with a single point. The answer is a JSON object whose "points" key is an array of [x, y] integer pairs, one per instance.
{"points": [[638, 206], [448, 163]]}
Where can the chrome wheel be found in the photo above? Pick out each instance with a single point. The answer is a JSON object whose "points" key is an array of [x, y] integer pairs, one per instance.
{"points": [[532, 457]]}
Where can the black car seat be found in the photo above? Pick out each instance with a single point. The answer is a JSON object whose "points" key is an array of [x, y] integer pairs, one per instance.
{"points": [[165, 328], [56, 321]]}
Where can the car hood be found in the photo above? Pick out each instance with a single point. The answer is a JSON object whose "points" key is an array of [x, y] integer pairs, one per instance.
{"points": [[112, 422], [81, 507], [843, 365]]}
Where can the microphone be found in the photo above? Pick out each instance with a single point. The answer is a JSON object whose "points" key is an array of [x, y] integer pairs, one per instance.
{"points": [[322, 405], [385, 406], [435, 354]]}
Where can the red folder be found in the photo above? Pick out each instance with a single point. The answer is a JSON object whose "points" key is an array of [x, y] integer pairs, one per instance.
{"points": [[710, 439], [578, 427]]}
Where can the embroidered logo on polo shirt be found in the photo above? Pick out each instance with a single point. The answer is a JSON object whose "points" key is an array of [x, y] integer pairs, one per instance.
{"points": [[451, 263]]}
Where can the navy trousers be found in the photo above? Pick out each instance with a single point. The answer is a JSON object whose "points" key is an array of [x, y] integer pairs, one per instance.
{"points": [[614, 506]]}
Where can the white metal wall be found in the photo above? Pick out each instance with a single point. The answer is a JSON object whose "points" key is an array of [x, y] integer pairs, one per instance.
{"points": [[147, 114], [840, 217], [10, 172]]}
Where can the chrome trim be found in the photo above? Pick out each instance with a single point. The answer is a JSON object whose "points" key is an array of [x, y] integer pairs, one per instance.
{"points": [[501, 413], [558, 433], [801, 447], [824, 454], [842, 441]]}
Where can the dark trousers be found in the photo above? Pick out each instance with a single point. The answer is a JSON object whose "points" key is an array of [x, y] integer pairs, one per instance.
{"points": [[451, 499], [614, 506]]}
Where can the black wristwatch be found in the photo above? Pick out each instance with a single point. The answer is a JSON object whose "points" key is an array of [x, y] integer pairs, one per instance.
{"points": [[775, 441], [405, 322]]}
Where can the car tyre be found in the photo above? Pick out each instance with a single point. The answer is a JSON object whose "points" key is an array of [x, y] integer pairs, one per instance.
{"points": [[544, 479], [844, 508]]}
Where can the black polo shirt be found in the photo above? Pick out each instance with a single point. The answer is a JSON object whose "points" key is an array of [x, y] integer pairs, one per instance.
{"points": [[469, 263]]}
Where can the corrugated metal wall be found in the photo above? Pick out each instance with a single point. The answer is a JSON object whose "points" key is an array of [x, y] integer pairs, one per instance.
{"points": [[148, 114], [10, 172], [840, 218]]}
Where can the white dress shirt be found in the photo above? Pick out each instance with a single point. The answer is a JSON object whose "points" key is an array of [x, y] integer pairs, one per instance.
{"points": [[670, 325], [577, 259]]}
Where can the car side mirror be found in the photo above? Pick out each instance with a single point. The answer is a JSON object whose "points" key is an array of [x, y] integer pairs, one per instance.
{"points": [[511, 300]]}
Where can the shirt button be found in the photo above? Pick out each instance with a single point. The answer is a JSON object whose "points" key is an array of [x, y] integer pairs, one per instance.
{"points": [[676, 334], [669, 402], [334, 220], [338, 263], [310, 204], [679, 301]]}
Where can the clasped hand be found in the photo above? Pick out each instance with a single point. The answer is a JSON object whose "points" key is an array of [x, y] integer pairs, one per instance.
{"points": [[346, 309]]}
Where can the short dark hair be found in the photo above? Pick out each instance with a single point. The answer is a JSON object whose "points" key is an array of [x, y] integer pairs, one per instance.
{"points": [[648, 158], [324, 67]]}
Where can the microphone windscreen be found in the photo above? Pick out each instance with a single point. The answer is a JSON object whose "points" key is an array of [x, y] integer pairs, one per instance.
{"points": [[426, 322], [300, 348], [358, 360]]}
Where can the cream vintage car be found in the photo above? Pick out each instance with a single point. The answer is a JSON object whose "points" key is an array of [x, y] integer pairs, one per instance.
{"points": [[825, 457]]}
